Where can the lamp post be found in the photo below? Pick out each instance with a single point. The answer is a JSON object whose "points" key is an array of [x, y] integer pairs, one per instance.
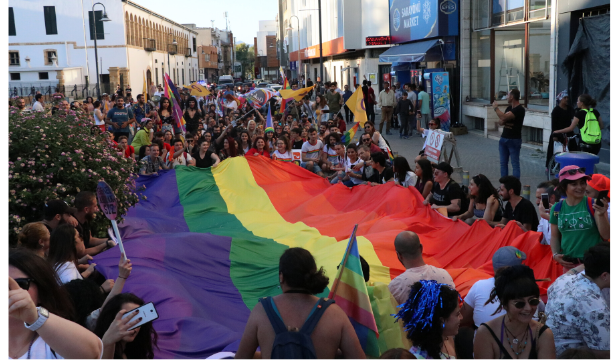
{"points": [[104, 18], [169, 58], [299, 53]]}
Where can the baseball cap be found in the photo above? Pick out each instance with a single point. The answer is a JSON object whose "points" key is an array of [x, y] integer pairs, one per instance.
{"points": [[507, 256], [443, 166], [572, 172], [55, 207], [599, 182]]}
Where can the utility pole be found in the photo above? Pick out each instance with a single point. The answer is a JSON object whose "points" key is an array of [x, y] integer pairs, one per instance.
{"points": [[320, 44]]}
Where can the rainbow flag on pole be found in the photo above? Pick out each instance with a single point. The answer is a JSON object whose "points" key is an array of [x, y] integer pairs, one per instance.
{"points": [[351, 294], [348, 136], [171, 92]]}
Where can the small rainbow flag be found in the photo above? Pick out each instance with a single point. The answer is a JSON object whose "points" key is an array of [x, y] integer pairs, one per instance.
{"points": [[286, 86], [351, 294], [391, 157], [348, 136], [171, 92]]}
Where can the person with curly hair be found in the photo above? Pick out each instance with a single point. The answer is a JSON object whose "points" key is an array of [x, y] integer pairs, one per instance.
{"points": [[431, 318], [285, 314], [515, 335]]}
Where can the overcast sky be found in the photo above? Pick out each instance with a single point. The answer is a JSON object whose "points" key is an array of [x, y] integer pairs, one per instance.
{"points": [[244, 15]]}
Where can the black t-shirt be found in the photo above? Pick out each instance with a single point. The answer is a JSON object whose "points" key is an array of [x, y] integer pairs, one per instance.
{"points": [[561, 118], [297, 145], [524, 212], [581, 115], [513, 129], [206, 162], [84, 232], [443, 197], [385, 176]]}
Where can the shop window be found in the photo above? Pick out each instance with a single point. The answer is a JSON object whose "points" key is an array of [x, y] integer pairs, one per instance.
{"points": [[50, 55], [15, 76], [509, 60], [514, 11], [539, 63], [482, 14], [480, 65], [538, 9]]}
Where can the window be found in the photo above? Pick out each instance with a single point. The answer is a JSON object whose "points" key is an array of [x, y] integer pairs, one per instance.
{"points": [[100, 28], [513, 13], [51, 27], [49, 56], [509, 60], [12, 31], [539, 9], [194, 44], [156, 72], [15, 76], [14, 58], [183, 78], [539, 62], [482, 14], [43, 76], [480, 65]]}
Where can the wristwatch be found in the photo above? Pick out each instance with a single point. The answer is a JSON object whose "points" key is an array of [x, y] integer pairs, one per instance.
{"points": [[554, 255], [43, 316]]}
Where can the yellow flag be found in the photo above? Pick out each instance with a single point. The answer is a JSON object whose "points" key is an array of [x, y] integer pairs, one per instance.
{"points": [[145, 88], [295, 94], [357, 106], [197, 89]]}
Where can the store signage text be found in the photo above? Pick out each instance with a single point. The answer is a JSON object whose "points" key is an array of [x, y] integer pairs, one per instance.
{"points": [[378, 40]]}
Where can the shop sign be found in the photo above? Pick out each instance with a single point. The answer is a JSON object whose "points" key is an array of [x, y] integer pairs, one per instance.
{"points": [[422, 19], [434, 144], [378, 40]]}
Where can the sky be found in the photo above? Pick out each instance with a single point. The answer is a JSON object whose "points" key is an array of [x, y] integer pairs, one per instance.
{"points": [[244, 15]]}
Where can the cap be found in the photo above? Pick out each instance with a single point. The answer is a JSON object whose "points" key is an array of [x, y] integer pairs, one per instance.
{"points": [[269, 129], [55, 207], [564, 173], [105, 94], [443, 166], [507, 256], [599, 182], [561, 95]]}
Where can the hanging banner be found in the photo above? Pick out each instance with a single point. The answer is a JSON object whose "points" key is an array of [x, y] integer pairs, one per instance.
{"points": [[440, 99]]}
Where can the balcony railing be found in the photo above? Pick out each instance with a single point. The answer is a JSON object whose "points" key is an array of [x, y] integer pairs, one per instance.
{"points": [[150, 45], [172, 49], [187, 52]]}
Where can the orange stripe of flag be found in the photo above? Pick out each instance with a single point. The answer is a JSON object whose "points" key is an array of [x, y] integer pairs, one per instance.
{"points": [[358, 314]]}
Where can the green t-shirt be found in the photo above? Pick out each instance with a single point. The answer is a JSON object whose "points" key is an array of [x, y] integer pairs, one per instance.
{"points": [[425, 102], [333, 101], [578, 230], [142, 137]]}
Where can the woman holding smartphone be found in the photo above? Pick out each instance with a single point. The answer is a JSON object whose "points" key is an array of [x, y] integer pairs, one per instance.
{"points": [[119, 342]]}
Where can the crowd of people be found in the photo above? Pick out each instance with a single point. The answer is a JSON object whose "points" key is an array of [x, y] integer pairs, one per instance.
{"points": [[60, 306]]}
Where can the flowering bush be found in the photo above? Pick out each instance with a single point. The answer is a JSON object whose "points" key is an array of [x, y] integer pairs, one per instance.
{"points": [[56, 157]]}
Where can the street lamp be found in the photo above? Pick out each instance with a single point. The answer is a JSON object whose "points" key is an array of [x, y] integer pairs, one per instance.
{"points": [[169, 58], [299, 54], [103, 18]]}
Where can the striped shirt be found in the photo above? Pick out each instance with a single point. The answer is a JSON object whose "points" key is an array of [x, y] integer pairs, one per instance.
{"points": [[286, 157], [312, 151]]}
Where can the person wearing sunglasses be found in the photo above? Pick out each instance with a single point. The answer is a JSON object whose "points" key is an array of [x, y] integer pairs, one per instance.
{"points": [[514, 335], [40, 314], [578, 222]]}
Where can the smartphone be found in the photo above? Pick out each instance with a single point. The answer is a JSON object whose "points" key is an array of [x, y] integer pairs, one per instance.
{"points": [[602, 195], [545, 199], [147, 313]]}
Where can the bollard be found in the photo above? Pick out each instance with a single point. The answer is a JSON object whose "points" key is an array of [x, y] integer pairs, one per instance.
{"points": [[465, 178], [526, 192]]}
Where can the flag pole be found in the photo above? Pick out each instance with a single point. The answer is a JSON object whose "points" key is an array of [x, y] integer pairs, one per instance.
{"points": [[332, 293]]}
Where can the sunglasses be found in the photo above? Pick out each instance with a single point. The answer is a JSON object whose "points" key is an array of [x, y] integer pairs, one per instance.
{"points": [[24, 283], [431, 124], [574, 171], [365, 140], [521, 304]]}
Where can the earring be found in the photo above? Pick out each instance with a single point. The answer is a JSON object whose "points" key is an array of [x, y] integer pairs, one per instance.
{"points": [[443, 325]]}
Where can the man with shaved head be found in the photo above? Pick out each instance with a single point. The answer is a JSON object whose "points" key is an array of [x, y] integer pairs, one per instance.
{"points": [[409, 251]]}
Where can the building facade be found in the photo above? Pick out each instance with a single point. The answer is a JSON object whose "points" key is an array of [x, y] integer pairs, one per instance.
{"points": [[58, 48], [266, 51], [223, 42]]}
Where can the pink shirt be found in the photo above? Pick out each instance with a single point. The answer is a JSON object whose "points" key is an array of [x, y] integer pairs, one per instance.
{"points": [[400, 287]]}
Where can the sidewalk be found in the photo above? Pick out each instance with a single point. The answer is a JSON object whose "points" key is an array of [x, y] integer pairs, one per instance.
{"points": [[480, 155]]}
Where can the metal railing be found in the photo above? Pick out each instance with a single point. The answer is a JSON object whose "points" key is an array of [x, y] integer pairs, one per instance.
{"points": [[76, 91]]}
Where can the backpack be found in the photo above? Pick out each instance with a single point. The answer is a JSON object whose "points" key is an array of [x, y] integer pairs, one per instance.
{"points": [[294, 344], [591, 131], [589, 202]]}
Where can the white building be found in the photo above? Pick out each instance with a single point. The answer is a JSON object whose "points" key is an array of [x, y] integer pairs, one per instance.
{"points": [[51, 43]]}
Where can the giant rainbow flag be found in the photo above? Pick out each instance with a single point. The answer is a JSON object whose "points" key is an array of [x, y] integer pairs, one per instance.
{"points": [[205, 243]]}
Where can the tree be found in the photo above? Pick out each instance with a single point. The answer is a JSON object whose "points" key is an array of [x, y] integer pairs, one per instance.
{"points": [[245, 55], [55, 157]]}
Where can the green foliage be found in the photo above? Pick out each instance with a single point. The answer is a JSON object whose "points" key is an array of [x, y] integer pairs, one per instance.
{"points": [[56, 157], [245, 54]]}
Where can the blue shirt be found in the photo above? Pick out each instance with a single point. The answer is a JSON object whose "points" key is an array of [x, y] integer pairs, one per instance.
{"points": [[347, 94], [120, 116], [140, 112]]}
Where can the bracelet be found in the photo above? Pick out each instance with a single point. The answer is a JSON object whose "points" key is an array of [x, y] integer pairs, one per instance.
{"points": [[122, 277], [554, 255]]}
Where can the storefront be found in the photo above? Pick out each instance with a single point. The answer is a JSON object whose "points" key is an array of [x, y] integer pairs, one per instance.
{"points": [[426, 32]]}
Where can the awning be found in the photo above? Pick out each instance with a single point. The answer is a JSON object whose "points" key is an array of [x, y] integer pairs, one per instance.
{"points": [[413, 52]]}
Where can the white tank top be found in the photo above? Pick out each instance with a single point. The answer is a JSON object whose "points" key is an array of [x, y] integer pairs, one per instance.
{"points": [[97, 121]]}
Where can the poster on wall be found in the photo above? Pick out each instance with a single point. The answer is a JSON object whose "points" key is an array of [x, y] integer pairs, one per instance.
{"points": [[440, 99], [423, 19]]}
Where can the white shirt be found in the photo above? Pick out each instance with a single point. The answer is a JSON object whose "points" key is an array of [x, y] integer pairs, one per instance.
{"points": [[40, 350], [312, 151], [286, 157], [332, 155], [350, 165], [409, 181], [38, 106], [545, 228], [67, 272], [382, 144], [400, 287], [182, 159]]}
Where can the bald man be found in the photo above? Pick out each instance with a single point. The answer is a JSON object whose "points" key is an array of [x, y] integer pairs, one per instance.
{"points": [[409, 251]]}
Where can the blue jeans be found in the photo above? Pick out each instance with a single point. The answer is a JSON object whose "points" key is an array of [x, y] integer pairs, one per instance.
{"points": [[507, 148]]}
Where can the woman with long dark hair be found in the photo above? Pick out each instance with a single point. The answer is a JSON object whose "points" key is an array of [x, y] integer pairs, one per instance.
{"points": [[66, 248], [243, 142], [425, 180], [521, 337], [300, 280], [403, 175], [586, 106], [431, 317], [192, 115], [165, 113], [259, 147], [484, 202], [35, 298], [119, 342]]}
